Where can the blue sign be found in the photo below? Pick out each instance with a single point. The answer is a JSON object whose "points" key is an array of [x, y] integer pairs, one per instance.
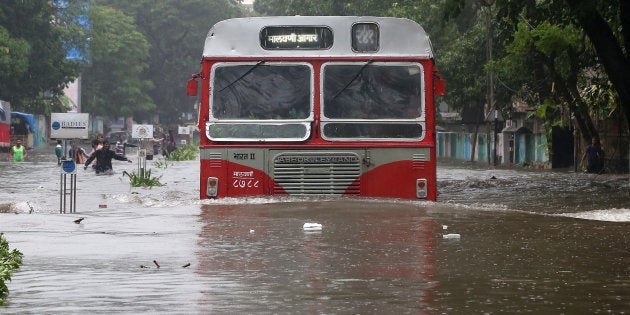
{"points": [[56, 125], [68, 167]]}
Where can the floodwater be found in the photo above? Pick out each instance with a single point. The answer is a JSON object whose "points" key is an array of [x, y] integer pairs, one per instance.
{"points": [[498, 241]]}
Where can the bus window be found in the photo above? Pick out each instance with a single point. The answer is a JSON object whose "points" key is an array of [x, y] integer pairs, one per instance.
{"points": [[261, 91], [254, 98], [375, 91], [270, 132], [391, 131]]}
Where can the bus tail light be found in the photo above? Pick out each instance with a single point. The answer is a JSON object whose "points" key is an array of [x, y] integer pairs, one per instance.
{"points": [[213, 187], [421, 188]]}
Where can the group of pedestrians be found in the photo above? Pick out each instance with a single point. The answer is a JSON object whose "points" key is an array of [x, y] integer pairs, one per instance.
{"points": [[101, 155]]}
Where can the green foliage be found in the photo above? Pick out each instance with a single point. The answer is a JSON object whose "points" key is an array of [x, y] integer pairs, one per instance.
{"points": [[175, 30], [600, 93], [72, 17], [575, 44], [462, 62], [143, 179], [9, 261], [33, 57], [14, 54], [323, 7], [113, 84], [185, 153], [161, 164]]}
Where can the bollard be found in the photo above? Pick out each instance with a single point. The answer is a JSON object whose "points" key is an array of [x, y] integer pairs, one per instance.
{"points": [[68, 167]]}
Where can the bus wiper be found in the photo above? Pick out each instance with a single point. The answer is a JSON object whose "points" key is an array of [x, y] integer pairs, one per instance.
{"points": [[243, 75], [356, 76]]}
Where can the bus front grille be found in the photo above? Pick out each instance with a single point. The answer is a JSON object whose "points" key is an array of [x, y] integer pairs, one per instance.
{"points": [[317, 173]]}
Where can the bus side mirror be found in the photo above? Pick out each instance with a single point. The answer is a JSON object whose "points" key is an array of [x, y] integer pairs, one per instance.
{"points": [[440, 87], [191, 88]]}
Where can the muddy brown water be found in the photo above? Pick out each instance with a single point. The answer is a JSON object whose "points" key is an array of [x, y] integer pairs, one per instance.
{"points": [[541, 242]]}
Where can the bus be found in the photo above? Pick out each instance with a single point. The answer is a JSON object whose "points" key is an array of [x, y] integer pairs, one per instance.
{"points": [[317, 105], [5, 127]]}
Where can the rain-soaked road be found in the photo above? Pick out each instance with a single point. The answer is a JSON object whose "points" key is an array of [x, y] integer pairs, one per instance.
{"points": [[530, 242]]}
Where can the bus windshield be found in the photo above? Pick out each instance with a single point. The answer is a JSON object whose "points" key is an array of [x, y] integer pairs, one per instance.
{"points": [[261, 101], [373, 100], [261, 91]]}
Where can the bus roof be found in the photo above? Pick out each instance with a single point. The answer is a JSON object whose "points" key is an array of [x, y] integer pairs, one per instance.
{"points": [[240, 37]]}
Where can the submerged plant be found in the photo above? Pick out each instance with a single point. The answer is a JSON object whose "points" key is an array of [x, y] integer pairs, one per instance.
{"points": [[143, 179], [161, 164], [184, 153], [9, 261]]}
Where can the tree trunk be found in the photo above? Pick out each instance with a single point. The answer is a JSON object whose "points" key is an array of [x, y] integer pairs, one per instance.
{"points": [[610, 53]]}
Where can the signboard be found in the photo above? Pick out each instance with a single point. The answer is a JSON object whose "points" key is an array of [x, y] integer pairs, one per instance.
{"points": [[69, 125], [296, 37], [142, 131], [183, 130], [365, 37], [68, 167]]}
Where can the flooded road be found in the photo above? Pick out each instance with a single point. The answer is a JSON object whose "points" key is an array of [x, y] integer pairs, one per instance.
{"points": [[528, 242]]}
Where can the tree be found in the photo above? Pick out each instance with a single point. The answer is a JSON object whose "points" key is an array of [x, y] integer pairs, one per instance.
{"points": [[549, 62], [112, 83], [324, 7], [616, 62], [14, 61], [33, 66], [175, 31], [575, 69]]}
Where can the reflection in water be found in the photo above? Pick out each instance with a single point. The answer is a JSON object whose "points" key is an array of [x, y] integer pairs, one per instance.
{"points": [[531, 242], [361, 258]]}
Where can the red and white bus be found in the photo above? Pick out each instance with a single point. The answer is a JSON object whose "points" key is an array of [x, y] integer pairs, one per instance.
{"points": [[317, 105], [5, 126]]}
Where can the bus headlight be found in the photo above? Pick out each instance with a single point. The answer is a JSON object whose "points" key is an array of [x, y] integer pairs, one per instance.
{"points": [[212, 187], [421, 188]]}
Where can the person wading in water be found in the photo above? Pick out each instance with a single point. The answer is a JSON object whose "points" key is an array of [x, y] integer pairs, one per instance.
{"points": [[104, 158], [18, 152]]}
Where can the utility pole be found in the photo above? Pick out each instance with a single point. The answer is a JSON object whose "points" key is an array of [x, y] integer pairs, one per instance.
{"points": [[491, 103]]}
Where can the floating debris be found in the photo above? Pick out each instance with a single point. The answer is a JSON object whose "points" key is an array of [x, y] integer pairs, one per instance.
{"points": [[31, 208], [186, 265], [451, 236], [102, 206], [77, 221], [156, 264], [312, 226]]}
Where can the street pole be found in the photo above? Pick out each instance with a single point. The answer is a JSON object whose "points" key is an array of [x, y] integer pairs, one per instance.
{"points": [[491, 102], [496, 134]]}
